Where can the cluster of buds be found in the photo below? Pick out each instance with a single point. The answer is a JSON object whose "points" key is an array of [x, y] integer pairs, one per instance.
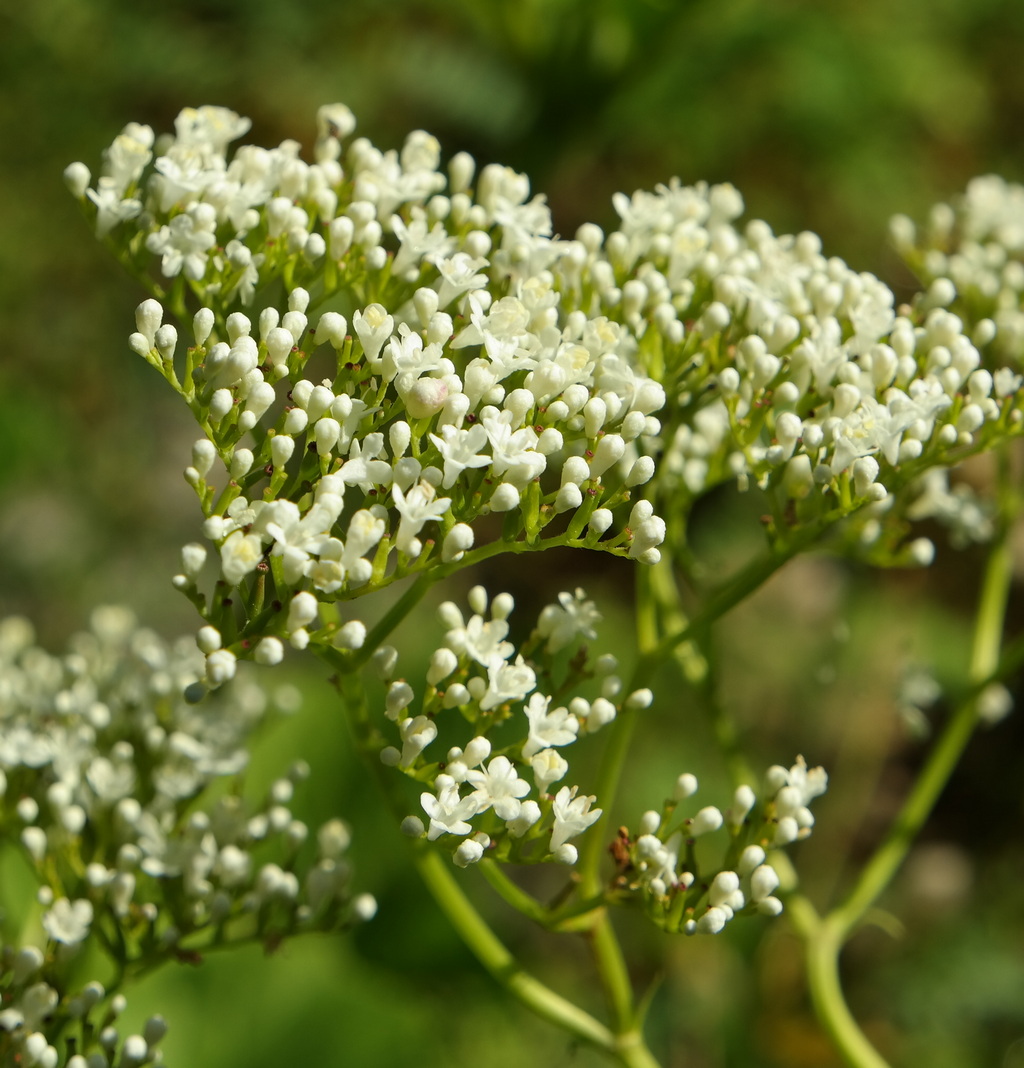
{"points": [[683, 889], [44, 1026]]}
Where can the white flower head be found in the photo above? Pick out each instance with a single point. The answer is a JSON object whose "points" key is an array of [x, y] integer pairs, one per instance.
{"points": [[416, 507], [448, 812], [548, 767], [507, 682]]}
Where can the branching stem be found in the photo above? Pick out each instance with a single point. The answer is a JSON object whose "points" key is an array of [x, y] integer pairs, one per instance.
{"points": [[825, 936]]}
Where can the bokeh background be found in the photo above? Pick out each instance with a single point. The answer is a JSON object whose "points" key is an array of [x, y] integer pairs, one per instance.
{"points": [[826, 116]]}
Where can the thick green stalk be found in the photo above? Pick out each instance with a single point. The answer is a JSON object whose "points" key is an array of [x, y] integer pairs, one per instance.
{"points": [[626, 1046], [608, 957], [620, 733]]}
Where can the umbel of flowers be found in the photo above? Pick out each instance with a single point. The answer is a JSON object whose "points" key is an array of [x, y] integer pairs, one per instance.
{"points": [[469, 383], [397, 370], [107, 777]]}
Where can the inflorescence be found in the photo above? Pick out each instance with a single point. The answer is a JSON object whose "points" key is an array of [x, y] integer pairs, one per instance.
{"points": [[399, 369], [106, 777]]}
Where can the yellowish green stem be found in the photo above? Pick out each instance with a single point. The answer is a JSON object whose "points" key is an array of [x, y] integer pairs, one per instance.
{"points": [[825, 936], [493, 955], [947, 751], [824, 941]]}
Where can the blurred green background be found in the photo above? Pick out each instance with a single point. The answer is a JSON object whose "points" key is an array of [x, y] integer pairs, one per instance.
{"points": [[826, 116]]}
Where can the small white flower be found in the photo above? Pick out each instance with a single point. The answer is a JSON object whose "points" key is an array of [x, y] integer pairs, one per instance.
{"points": [[507, 682], [373, 327], [447, 811], [416, 508], [459, 450], [559, 727], [240, 555], [68, 921], [417, 733], [573, 815], [499, 787], [548, 767], [573, 617]]}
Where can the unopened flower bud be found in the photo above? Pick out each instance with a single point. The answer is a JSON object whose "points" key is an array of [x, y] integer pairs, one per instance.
{"points": [[457, 541], [77, 178], [504, 498], [269, 652], [208, 639], [707, 820], [148, 317], [608, 452], [302, 611]]}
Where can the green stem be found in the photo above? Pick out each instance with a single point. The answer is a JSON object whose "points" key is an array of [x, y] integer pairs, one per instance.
{"points": [[493, 955], [512, 894], [947, 751], [608, 956], [611, 965], [620, 733], [824, 941], [696, 663], [825, 937], [394, 615]]}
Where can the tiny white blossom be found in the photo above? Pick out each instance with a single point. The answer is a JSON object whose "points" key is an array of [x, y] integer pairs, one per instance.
{"points": [[499, 787], [573, 815], [572, 617], [68, 921], [417, 507], [507, 682], [558, 727], [448, 812], [548, 767]]}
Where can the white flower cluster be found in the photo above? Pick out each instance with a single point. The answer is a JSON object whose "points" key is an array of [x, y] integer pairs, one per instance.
{"points": [[353, 469], [78, 730], [350, 465], [797, 371], [503, 691], [103, 768], [679, 892], [456, 369], [970, 254], [466, 363], [36, 1016]]}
